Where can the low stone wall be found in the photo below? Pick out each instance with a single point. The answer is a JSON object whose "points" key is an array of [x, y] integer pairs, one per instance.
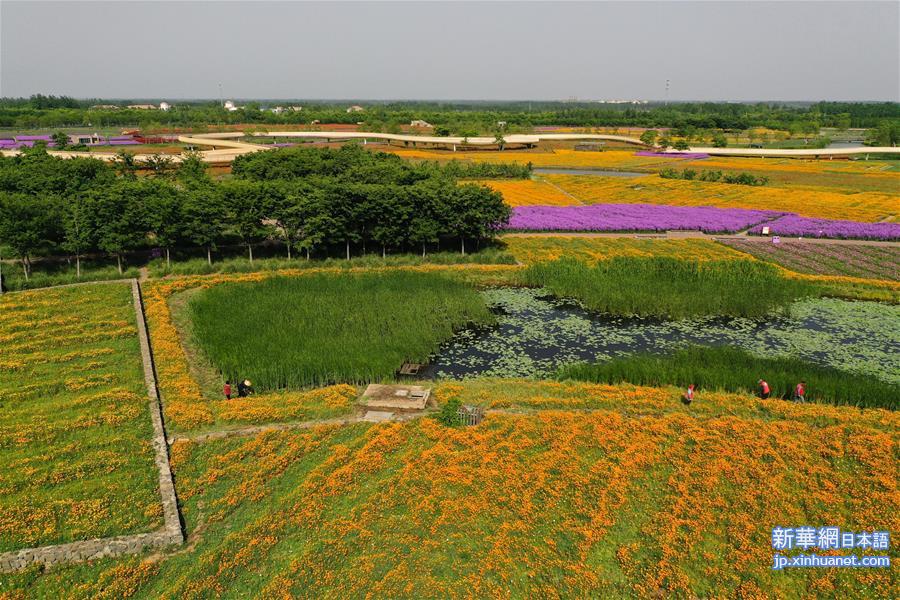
{"points": [[169, 534]]}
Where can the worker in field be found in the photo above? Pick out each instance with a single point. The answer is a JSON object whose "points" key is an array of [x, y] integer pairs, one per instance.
{"points": [[227, 390], [244, 388], [763, 389], [688, 396], [800, 392]]}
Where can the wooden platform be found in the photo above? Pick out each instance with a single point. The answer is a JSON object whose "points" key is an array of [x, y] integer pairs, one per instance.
{"points": [[404, 397]]}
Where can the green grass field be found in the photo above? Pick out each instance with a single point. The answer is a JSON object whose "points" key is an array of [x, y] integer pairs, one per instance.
{"points": [[328, 328], [75, 429]]}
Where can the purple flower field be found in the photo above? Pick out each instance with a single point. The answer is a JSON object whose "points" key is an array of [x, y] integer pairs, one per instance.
{"points": [[636, 217], [794, 225]]}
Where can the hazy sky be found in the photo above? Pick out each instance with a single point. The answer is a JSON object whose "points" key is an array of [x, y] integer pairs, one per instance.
{"points": [[452, 50]]}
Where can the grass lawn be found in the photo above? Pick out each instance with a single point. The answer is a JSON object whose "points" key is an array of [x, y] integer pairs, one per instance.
{"points": [[74, 420], [641, 497]]}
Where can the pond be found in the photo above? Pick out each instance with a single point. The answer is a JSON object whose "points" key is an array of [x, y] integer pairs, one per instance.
{"points": [[537, 333]]}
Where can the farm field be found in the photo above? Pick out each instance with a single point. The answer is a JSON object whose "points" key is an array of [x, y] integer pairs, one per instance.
{"points": [[527, 192], [626, 498], [533, 249], [862, 206], [878, 262], [75, 426]]}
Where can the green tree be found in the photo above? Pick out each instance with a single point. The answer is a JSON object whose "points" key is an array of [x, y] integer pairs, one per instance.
{"points": [[120, 218], [681, 145], [79, 234], [60, 139], [719, 141], [203, 216], [125, 164], [246, 207], [29, 225], [649, 136], [164, 215]]}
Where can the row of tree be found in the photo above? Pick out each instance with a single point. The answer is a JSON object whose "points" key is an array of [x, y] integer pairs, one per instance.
{"points": [[458, 117], [351, 197]]}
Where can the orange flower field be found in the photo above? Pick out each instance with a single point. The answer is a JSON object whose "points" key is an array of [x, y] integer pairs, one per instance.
{"points": [[605, 491]]}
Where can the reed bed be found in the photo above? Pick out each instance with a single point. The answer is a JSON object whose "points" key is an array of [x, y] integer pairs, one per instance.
{"points": [[667, 287], [330, 328], [734, 370]]}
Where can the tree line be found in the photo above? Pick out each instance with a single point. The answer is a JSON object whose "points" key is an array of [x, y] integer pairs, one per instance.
{"points": [[307, 199], [458, 118]]}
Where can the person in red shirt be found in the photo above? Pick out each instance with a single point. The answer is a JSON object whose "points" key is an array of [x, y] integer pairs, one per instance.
{"points": [[763, 389], [227, 390], [688, 395], [800, 392]]}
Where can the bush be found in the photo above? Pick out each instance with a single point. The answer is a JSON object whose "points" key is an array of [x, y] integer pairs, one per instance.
{"points": [[449, 414]]}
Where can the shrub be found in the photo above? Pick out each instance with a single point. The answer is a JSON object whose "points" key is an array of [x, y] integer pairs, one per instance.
{"points": [[449, 414]]}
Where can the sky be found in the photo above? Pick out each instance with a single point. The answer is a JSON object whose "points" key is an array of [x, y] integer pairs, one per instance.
{"points": [[714, 50]]}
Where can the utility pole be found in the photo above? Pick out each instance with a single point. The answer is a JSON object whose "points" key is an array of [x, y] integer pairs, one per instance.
{"points": [[667, 92]]}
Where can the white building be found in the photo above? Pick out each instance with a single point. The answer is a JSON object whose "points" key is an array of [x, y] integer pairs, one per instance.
{"points": [[164, 106], [229, 106], [355, 108], [420, 123]]}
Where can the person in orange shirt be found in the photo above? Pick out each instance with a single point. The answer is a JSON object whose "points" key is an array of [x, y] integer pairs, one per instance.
{"points": [[227, 390], [763, 389], [800, 392]]}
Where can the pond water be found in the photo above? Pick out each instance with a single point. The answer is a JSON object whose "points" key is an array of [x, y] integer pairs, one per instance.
{"points": [[537, 333], [603, 172]]}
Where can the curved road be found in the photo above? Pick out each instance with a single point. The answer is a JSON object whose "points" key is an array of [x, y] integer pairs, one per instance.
{"points": [[225, 148]]}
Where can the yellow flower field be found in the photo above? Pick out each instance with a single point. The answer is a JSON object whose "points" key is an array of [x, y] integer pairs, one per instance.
{"points": [[533, 249], [523, 192], [864, 206], [624, 160], [77, 461]]}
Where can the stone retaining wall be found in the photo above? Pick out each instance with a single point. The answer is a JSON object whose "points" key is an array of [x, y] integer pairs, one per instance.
{"points": [[170, 533]]}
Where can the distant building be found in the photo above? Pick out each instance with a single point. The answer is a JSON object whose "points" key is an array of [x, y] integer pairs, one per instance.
{"points": [[355, 108], [230, 107], [277, 110], [420, 123], [104, 107], [164, 106], [142, 106], [296, 108], [501, 123]]}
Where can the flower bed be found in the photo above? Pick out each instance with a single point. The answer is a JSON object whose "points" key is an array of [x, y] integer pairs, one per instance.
{"points": [[687, 155], [794, 225], [636, 217]]}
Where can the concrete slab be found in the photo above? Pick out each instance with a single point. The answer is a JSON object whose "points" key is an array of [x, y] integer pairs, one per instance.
{"points": [[403, 397], [377, 416]]}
